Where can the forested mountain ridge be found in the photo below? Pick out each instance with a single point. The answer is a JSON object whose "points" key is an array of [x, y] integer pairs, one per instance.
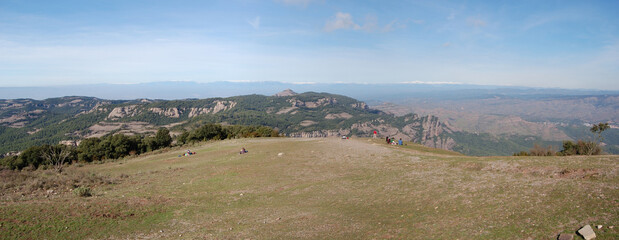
{"points": [[27, 122]]}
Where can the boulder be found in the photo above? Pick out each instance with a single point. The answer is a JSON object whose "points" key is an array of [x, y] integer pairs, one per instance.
{"points": [[565, 236], [587, 232]]}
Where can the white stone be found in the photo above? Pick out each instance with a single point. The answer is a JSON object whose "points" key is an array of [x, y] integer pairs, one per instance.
{"points": [[587, 232]]}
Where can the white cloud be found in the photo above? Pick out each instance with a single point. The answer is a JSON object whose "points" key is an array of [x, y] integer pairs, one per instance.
{"points": [[419, 21], [255, 23], [341, 21]]}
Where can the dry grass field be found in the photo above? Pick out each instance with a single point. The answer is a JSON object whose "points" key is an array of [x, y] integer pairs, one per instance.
{"points": [[315, 189]]}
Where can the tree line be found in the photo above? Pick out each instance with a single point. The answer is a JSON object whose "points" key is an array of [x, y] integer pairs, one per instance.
{"points": [[119, 145], [581, 147]]}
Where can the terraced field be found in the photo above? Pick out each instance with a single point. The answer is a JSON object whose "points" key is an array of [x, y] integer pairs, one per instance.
{"points": [[323, 188]]}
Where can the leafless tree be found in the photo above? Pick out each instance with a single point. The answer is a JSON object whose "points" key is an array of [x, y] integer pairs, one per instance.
{"points": [[56, 156]]}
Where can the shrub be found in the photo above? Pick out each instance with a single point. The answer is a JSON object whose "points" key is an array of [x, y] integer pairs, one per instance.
{"points": [[580, 148], [588, 148], [82, 191], [538, 150], [183, 137], [569, 148], [522, 153]]}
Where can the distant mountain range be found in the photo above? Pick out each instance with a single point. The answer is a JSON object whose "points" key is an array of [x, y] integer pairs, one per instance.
{"points": [[369, 93], [27, 122], [472, 119]]}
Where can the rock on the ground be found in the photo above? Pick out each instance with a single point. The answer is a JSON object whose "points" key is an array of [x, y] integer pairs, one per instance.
{"points": [[599, 226], [565, 236], [587, 232]]}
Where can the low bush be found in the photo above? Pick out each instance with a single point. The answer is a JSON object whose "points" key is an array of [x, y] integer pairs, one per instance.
{"points": [[581, 148], [82, 191]]}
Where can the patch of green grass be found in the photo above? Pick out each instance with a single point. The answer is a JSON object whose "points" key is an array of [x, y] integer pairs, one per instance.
{"points": [[328, 189]]}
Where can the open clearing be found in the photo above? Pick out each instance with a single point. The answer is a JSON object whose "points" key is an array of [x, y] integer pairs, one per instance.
{"points": [[325, 189]]}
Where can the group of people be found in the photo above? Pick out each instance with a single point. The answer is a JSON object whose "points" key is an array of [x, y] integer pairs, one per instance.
{"points": [[392, 141], [187, 153]]}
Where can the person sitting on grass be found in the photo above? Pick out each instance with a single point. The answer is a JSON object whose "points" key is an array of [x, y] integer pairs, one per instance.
{"points": [[400, 142], [243, 151]]}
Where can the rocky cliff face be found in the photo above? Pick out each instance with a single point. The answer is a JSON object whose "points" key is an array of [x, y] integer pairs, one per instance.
{"points": [[427, 130]]}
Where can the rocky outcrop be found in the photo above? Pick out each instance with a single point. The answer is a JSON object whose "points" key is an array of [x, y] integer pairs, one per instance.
{"points": [[97, 108], [73, 143], [360, 105], [220, 105], [427, 130], [170, 112], [121, 112], [197, 111], [309, 104]]}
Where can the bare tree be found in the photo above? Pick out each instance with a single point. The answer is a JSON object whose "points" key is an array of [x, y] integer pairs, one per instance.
{"points": [[56, 156]]}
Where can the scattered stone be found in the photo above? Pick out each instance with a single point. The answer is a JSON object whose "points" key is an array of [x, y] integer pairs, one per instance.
{"points": [[279, 218], [280, 154], [50, 191], [599, 226], [160, 231], [587, 232], [241, 194], [611, 227], [565, 236]]}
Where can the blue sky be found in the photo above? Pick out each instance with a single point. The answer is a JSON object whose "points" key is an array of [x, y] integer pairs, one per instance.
{"points": [[566, 44]]}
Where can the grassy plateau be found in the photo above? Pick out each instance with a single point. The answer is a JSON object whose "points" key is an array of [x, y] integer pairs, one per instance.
{"points": [[323, 188]]}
